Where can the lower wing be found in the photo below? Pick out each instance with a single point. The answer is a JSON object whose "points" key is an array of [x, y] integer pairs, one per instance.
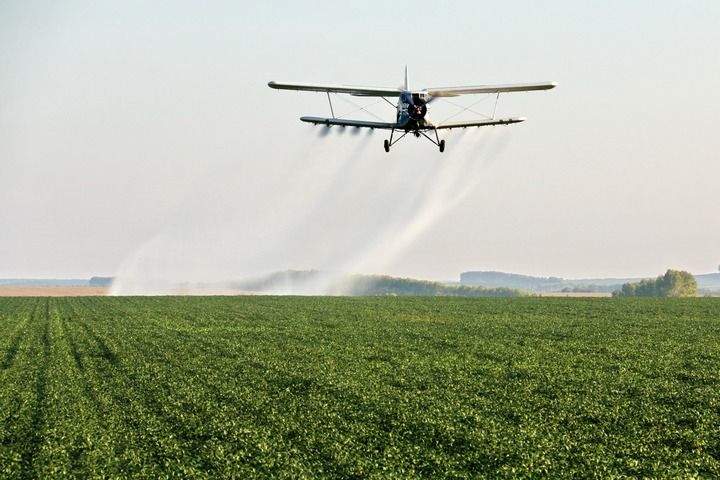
{"points": [[480, 123], [347, 123]]}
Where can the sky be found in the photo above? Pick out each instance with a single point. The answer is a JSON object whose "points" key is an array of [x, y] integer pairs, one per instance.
{"points": [[141, 139]]}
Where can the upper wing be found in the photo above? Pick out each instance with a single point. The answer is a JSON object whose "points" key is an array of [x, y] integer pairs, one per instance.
{"points": [[347, 123], [480, 123], [359, 91], [517, 87]]}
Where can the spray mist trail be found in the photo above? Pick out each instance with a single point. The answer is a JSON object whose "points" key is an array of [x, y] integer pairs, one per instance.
{"points": [[335, 207], [454, 177], [250, 236], [309, 229]]}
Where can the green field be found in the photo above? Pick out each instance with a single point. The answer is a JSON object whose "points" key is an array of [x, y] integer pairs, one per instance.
{"points": [[248, 387]]}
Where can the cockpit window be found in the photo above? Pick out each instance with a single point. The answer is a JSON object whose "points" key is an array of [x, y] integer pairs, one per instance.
{"points": [[418, 98]]}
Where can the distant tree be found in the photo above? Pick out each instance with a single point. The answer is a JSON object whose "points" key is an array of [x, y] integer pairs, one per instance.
{"points": [[363, 285], [674, 283]]}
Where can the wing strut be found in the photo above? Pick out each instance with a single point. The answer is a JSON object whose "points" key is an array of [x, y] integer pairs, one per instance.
{"points": [[392, 132], [495, 107], [437, 138], [330, 102], [390, 143], [469, 108]]}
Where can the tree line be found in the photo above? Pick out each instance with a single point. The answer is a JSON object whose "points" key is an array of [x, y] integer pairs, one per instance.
{"points": [[674, 283]]}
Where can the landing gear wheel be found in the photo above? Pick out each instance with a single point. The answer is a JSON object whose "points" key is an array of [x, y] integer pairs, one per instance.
{"points": [[442, 145], [387, 146]]}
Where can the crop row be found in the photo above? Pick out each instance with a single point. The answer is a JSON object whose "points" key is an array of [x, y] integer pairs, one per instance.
{"points": [[180, 387]]}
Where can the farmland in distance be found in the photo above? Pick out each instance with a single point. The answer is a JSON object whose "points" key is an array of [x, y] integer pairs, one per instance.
{"points": [[333, 387]]}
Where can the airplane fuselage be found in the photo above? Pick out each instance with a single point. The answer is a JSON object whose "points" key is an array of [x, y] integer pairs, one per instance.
{"points": [[411, 111]]}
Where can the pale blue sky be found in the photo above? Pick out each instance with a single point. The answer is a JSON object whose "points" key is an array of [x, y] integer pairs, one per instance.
{"points": [[125, 122]]}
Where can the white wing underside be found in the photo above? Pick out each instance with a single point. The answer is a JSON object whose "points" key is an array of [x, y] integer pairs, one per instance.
{"points": [[349, 89], [387, 126], [348, 123], [480, 123], [481, 89]]}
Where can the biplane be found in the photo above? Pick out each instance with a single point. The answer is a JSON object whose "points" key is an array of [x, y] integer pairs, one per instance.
{"points": [[412, 107]]}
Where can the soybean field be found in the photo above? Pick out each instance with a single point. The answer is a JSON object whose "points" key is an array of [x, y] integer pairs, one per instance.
{"points": [[374, 387]]}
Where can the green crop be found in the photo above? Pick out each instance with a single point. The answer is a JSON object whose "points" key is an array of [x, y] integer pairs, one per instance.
{"points": [[303, 387]]}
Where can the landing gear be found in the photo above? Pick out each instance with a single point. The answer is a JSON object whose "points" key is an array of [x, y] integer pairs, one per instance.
{"points": [[436, 140], [389, 143]]}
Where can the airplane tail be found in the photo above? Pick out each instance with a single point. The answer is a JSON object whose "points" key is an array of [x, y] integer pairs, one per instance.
{"points": [[407, 81]]}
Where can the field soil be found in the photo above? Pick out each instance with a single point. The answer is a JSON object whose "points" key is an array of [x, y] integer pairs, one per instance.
{"points": [[304, 387], [35, 291]]}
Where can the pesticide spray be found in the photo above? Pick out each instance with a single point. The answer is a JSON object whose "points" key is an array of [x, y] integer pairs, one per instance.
{"points": [[339, 208], [448, 184]]}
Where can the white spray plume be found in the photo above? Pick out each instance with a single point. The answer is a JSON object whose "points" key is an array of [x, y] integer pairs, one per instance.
{"points": [[339, 207]]}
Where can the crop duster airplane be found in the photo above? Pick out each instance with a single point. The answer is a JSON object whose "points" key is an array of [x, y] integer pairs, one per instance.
{"points": [[412, 107]]}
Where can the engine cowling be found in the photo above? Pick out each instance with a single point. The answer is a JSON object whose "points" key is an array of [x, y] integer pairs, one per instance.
{"points": [[418, 107], [417, 112]]}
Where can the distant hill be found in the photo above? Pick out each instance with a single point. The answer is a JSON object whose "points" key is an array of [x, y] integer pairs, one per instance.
{"points": [[708, 281], [100, 281], [493, 279]]}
